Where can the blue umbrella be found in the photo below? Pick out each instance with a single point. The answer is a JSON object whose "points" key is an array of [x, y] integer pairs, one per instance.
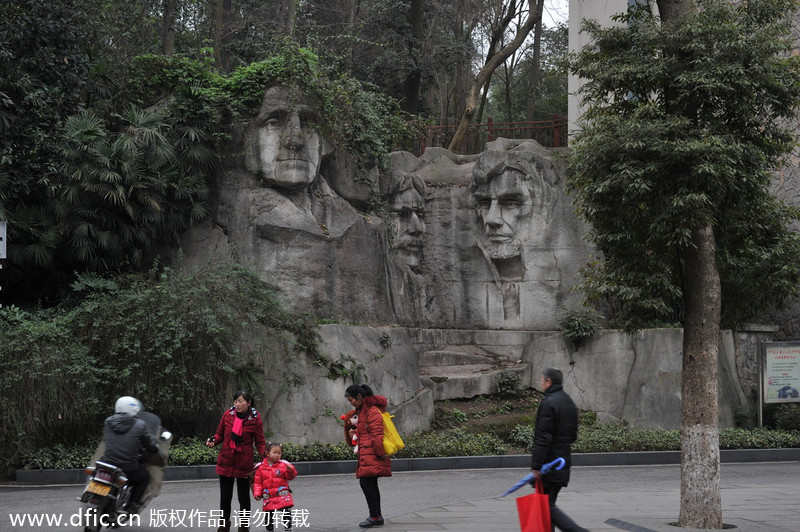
{"points": [[556, 464]]}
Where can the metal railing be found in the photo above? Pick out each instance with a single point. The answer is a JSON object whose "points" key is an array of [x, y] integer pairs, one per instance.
{"points": [[548, 133]]}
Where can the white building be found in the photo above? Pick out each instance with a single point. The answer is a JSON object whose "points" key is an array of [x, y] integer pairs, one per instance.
{"points": [[602, 11]]}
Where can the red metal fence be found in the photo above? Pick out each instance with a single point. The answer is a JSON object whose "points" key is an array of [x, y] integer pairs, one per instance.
{"points": [[548, 133]]}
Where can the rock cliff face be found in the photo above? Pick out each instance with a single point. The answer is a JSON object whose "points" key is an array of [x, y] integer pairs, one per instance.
{"points": [[469, 260]]}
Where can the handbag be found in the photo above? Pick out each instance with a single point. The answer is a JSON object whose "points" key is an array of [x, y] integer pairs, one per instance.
{"points": [[392, 442], [534, 510]]}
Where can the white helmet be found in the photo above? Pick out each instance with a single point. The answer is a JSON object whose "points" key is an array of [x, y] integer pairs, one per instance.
{"points": [[128, 405]]}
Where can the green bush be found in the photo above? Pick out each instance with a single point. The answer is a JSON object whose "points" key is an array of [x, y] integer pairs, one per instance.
{"points": [[508, 384], [787, 416], [445, 419], [60, 456], [317, 452], [522, 436], [611, 437], [734, 438], [621, 437], [192, 451], [173, 340], [452, 442], [577, 324]]}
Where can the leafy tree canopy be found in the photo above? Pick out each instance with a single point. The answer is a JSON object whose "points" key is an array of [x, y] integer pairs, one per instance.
{"points": [[683, 127], [97, 185]]}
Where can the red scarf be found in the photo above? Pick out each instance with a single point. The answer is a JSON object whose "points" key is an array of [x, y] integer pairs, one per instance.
{"points": [[237, 430]]}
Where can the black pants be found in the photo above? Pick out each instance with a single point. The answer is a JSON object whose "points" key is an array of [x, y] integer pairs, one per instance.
{"points": [[226, 494], [557, 517], [138, 479], [287, 519], [369, 485]]}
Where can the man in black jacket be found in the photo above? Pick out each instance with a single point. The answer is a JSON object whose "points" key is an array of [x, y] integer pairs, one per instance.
{"points": [[126, 436], [556, 429]]}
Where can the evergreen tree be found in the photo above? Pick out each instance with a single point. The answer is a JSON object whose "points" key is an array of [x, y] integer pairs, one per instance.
{"points": [[686, 119]]}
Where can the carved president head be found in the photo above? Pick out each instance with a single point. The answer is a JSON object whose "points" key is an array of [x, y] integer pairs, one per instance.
{"points": [[289, 147], [405, 193], [512, 196]]}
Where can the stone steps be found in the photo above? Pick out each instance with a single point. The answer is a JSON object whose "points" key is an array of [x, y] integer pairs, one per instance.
{"points": [[465, 371]]}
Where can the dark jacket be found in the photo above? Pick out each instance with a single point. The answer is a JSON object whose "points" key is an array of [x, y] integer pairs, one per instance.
{"points": [[238, 462], [556, 429], [372, 459], [125, 437]]}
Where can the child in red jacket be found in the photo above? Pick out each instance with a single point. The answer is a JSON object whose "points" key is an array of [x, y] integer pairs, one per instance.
{"points": [[272, 484]]}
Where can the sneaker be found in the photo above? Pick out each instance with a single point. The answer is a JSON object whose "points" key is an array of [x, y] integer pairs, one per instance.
{"points": [[371, 521]]}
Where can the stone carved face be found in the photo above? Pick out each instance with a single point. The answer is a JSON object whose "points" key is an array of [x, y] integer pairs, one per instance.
{"points": [[504, 203], [407, 202], [288, 144]]}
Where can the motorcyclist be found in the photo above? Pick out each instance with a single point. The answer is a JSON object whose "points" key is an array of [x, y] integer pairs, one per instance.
{"points": [[125, 436]]}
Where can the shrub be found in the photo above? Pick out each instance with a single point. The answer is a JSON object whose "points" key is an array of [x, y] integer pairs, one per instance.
{"points": [[522, 436], [621, 437], [173, 340], [192, 451], [508, 384], [734, 438], [317, 452], [60, 456], [577, 325], [444, 419], [452, 442], [787, 416]]}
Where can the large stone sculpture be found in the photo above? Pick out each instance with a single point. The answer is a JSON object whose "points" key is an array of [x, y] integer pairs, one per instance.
{"points": [[404, 191], [503, 246], [515, 203], [286, 154], [276, 213]]}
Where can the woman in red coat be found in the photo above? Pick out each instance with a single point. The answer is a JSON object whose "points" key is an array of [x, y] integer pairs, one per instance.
{"points": [[372, 459], [239, 430]]}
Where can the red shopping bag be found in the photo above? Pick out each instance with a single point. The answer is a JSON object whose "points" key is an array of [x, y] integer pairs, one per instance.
{"points": [[534, 511]]}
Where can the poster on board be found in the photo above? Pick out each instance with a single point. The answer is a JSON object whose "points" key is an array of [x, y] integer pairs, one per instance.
{"points": [[781, 372]]}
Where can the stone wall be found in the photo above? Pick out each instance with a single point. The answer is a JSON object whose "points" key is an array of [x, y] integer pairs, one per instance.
{"points": [[470, 258], [616, 374]]}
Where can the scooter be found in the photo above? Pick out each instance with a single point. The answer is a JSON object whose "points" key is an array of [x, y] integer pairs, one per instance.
{"points": [[107, 491]]}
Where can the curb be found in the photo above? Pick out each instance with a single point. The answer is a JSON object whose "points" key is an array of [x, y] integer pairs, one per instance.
{"points": [[77, 476]]}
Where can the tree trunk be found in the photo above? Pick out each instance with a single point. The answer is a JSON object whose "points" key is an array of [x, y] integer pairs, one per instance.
{"points": [[671, 11], [484, 97], [530, 101], [290, 13], [485, 75], [168, 28], [222, 16], [701, 494], [510, 70], [701, 497], [413, 81]]}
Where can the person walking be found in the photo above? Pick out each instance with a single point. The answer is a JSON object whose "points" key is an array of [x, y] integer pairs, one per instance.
{"points": [[555, 431], [239, 430], [372, 459], [272, 484]]}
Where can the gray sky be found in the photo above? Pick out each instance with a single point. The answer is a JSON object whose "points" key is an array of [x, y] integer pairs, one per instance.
{"points": [[555, 11]]}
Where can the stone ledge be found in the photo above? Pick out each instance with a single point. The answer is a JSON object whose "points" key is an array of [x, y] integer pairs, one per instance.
{"points": [[77, 476]]}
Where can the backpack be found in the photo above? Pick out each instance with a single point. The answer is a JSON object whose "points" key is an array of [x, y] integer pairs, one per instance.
{"points": [[392, 442]]}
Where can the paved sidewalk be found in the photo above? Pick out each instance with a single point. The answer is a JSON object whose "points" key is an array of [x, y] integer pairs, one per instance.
{"points": [[756, 498]]}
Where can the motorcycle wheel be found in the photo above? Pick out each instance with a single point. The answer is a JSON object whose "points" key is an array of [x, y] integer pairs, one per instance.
{"points": [[91, 516]]}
